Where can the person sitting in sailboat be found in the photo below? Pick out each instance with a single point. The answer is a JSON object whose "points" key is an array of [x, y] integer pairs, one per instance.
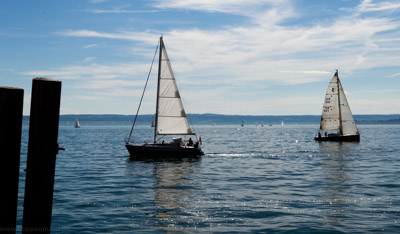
{"points": [[190, 142]]}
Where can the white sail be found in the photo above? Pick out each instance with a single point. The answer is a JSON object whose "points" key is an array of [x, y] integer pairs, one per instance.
{"points": [[348, 125], [336, 113], [77, 125], [171, 116], [330, 112]]}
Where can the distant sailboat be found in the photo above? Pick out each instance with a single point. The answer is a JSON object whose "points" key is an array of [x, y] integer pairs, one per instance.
{"points": [[77, 124], [337, 116], [282, 123], [170, 118], [152, 123], [262, 124], [242, 124]]}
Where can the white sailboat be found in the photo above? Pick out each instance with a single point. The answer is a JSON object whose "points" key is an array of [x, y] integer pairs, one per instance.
{"points": [[170, 118], [77, 124], [337, 122], [282, 123]]}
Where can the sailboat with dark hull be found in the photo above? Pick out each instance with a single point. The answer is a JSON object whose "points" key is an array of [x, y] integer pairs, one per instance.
{"points": [[337, 122], [170, 118]]}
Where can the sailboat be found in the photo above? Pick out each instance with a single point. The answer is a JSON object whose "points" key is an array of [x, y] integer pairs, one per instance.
{"points": [[77, 124], [242, 124], [152, 123], [262, 124], [282, 123], [337, 116], [170, 118]]}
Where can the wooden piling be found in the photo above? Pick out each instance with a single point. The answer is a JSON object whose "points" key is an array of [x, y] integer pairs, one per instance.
{"points": [[42, 151], [11, 105]]}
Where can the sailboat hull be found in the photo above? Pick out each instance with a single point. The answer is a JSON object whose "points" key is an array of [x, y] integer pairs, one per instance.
{"points": [[162, 151], [338, 138]]}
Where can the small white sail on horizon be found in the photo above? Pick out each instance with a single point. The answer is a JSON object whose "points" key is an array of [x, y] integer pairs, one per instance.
{"points": [[77, 124]]}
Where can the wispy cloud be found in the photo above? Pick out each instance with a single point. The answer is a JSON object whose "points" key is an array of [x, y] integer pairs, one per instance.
{"points": [[382, 106], [262, 11], [119, 11], [89, 59], [380, 91], [255, 50], [395, 75], [309, 72], [97, 1], [92, 71], [370, 6], [240, 7], [263, 52], [90, 46], [123, 35]]}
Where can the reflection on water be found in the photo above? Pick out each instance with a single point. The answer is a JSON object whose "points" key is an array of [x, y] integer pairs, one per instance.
{"points": [[172, 188], [267, 180], [336, 192]]}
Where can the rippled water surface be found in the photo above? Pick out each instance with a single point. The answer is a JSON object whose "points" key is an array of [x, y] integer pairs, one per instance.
{"points": [[252, 179]]}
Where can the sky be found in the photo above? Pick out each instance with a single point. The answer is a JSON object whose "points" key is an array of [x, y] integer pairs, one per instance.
{"points": [[247, 57]]}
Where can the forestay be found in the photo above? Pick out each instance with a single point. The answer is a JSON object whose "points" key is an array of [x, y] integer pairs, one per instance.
{"points": [[171, 116]]}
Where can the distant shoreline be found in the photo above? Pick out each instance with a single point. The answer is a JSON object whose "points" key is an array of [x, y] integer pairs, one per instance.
{"points": [[219, 119]]}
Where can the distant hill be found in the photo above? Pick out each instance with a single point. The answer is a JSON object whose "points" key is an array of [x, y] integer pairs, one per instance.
{"points": [[380, 121], [217, 119]]}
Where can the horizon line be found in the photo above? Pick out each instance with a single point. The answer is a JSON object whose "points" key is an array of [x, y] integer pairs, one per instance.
{"points": [[224, 114]]}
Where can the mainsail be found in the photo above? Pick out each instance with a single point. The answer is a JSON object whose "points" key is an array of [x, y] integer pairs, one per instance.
{"points": [[330, 112], [336, 113], [171, 117]]}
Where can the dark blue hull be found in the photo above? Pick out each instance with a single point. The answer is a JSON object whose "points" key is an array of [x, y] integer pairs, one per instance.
{"points": [[338, 138], [162, 151]]}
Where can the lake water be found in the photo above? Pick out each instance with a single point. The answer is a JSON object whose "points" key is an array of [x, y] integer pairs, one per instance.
{"points": [[252, 179]]}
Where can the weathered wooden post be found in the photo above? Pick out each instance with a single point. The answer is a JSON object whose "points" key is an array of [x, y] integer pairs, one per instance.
{"points": [[42, 151], [11, 105]]}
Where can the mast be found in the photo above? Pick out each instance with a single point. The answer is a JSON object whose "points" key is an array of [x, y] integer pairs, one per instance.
{"points": [[158, 87], [340, 111]]}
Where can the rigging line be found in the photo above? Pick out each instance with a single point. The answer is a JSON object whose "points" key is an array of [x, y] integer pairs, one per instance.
{"points": [[141, 99]]}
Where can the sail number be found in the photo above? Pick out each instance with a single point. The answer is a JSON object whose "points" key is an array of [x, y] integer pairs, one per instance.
{"points": [[327, 100], [333, 90]]}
